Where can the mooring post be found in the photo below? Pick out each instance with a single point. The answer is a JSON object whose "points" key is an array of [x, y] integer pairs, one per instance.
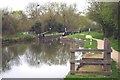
{"points": [[72, 64]]}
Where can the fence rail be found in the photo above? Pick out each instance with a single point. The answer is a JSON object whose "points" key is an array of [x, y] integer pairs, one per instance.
{"points": [[105, 61]]}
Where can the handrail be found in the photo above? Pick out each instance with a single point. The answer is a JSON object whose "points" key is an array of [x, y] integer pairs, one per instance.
{"points": [[90, 50]]}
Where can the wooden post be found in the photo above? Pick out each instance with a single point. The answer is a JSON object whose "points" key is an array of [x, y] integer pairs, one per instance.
{"points": [[79, 66], [72, 64], [107, 55]]}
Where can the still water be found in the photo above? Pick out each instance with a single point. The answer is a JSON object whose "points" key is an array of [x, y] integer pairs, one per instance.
{"points": [[38, 59]]}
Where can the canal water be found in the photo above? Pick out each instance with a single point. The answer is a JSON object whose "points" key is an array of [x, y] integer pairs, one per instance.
{"points": [[38, 59]]}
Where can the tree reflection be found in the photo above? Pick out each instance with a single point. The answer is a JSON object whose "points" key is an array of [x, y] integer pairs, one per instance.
{"points": [[51, 53], [11, 55], [35, 54], [0, 58]]}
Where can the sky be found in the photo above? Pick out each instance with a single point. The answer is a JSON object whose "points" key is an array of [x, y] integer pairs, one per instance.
{"points": [[21, 4]]}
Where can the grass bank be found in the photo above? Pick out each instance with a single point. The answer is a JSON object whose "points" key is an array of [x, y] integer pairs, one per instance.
{"points": [[94, 35], [17, 37], [78, 36], [115, 70], [114, 42], [88, 44], [92, 46]]}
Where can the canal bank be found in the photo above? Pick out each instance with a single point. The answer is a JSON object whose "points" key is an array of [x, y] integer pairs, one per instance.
{"points": [[114, 68]]}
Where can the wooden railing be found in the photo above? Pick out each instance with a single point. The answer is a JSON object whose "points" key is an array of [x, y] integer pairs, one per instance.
{"points": [[105, 61]]}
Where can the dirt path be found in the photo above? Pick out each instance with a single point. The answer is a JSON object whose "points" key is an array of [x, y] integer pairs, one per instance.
{"points": [[115, 55]]}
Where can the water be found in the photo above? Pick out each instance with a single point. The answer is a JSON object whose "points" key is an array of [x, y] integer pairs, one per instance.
{"points": [[37, 59]]}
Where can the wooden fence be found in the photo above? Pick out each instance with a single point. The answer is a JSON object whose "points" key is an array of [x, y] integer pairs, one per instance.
{"points": [[105, 62]]}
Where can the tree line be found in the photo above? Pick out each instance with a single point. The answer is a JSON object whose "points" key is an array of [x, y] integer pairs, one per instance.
{"points": [[50, 16], [58, 16]]}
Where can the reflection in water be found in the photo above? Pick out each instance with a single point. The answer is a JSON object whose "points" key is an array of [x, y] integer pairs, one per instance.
{"points": [[36, 59], [0, 58]]}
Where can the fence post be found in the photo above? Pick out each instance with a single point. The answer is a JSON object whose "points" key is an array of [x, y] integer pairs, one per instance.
{"points": [[107, 55], [72, 64]]}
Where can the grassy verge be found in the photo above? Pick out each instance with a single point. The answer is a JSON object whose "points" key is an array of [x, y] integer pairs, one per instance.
{"points": [[85, 76], [78, 36], [114, 42], [92, 46], [95, 35], [114, 70], [114, 75], [87, 44], [19, 36]]}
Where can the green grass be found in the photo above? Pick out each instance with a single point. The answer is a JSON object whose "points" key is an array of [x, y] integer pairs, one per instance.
{"points": [[95, 35], [114, 70], [119, 73], [87, 44], [25, 36], [114, 44], [77, 36], [114, 75], [85, 76], [19, 36]]}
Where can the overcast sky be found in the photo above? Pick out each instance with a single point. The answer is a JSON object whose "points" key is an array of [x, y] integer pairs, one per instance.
{"points": [[21, 4]]}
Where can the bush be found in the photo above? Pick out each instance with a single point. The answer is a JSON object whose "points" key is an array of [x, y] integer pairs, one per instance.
{"points": [[26, 37], [19, 36]]}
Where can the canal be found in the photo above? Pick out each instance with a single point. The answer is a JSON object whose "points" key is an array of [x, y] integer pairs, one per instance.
{"points": [[37, 59]]}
